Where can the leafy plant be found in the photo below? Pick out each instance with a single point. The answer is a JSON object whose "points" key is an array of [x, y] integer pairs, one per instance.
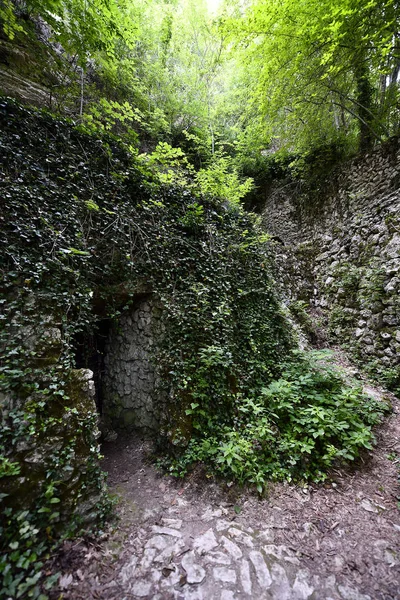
{"points": [[221, 179], [295, 428]]}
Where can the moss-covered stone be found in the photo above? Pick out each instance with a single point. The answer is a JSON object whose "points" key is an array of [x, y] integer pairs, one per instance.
{"points": [[350, 243]]}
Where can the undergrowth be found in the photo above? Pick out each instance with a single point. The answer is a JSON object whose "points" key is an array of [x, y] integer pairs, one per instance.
{"points": [[295, 428]]}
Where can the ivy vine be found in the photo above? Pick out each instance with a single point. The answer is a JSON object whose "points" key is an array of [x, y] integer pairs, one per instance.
{"points": [[84, 223]]}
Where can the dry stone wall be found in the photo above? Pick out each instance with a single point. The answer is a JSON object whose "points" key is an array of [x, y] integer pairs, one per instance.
{"points": [[338, 250], [132, 396]]}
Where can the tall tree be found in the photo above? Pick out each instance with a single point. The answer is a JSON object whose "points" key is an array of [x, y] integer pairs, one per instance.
{"points": [[317, 65]]}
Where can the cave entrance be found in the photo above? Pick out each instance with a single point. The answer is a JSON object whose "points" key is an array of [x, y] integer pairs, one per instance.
{"points": [[89, 354]]}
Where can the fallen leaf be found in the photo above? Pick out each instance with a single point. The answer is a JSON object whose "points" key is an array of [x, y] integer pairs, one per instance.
{"points": [[370, 506], [65, 581]]}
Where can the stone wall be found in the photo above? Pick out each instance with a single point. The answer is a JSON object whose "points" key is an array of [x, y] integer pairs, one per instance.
{"points": [[59, 434], [132, 399], [338, 250]]}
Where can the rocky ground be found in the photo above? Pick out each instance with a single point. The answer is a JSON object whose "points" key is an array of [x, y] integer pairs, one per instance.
{"points": [[197, 539]]}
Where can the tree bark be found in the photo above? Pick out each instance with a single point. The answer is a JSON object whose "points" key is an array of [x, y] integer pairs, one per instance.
{"points": [[364, 96]]}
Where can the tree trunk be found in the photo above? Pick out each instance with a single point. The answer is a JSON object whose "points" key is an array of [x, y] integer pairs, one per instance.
{"points": [[364, 96]]}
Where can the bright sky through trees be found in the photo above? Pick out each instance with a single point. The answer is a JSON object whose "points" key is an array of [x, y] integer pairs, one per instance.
{"points": [[213, 5]]}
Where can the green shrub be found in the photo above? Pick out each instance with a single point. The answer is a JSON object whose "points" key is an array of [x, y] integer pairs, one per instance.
{"points": [[295, 428]]}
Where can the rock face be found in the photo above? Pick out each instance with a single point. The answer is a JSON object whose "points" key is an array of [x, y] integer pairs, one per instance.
{"points": [[132, 399], [63, 436], [63, 432], [341, 252]]}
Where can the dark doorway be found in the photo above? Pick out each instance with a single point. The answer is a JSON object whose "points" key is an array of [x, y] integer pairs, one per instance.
{"points": [[89, 354]]}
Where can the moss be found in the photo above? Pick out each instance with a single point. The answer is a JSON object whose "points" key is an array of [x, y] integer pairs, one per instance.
{"points": [[299, 311], [341, 321], [372, 283], [347, 277], [180, 425], [127, 418], [392, 222], [80, 392]]}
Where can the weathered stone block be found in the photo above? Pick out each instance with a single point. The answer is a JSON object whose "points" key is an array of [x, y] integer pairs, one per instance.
{"points": [[131, 397]]}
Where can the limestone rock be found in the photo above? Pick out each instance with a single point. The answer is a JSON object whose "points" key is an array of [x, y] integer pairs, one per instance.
{"points": [[194, 572], [205, 542]]}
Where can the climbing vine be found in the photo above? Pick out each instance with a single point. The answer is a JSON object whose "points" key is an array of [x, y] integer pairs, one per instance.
{"points": [[85, 224]]}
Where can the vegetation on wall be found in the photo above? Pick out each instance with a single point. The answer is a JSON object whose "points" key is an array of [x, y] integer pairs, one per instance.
{"points": [[85, 222], [354, 289]]}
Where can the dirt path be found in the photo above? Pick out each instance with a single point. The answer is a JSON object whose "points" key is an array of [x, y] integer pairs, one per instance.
{"points": [[197, 540]]}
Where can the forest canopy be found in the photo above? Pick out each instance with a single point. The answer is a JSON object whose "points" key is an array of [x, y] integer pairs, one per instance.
{"points": [[245, 80]]}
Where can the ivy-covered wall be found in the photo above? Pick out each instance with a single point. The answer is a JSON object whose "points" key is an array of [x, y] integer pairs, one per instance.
{"points": [[338, 244], [65, 442], [86, 228]]}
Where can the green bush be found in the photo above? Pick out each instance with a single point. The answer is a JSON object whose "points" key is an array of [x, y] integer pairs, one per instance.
{"points": [[295, 428]]}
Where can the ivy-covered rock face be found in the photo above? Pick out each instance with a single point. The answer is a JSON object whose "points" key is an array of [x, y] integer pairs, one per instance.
{"points": [[84, 226], [91, 235]]}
